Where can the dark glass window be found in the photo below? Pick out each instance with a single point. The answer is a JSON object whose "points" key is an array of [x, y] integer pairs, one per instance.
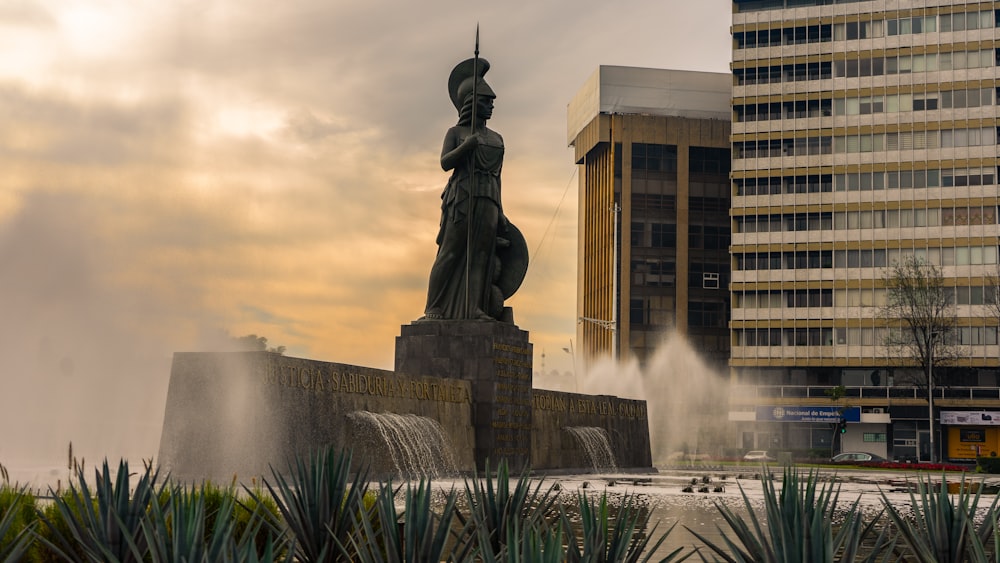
{"points": [[654, 158]]}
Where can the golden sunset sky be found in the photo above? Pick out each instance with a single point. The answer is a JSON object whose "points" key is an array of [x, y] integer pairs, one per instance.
{"points": [[171, 170]]}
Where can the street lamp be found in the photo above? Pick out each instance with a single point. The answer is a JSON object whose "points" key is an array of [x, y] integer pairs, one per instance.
{"points": [[572, 354]]}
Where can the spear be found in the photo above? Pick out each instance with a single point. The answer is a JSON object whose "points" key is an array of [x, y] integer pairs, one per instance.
{"points": [[472, 177]]}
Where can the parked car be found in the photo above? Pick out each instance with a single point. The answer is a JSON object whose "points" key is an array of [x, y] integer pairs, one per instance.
{"points": [[757, 455], [855, 457]]}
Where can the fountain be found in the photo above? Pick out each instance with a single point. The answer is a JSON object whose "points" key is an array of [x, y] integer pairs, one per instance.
{"points": [[464, 364], [416, 445], [597, 446]]}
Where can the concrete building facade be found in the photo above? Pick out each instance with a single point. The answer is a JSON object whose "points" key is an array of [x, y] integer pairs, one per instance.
{"points": [[863, 132], [652, 147]]}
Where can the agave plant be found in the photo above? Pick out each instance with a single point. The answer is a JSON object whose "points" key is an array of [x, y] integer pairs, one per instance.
{"points": [[799, 527], [318, 501], [419, 533], [104, 525], [496, 507], [200, 526], [944, 531], [15, 528], [624, 540], [530, 544]]}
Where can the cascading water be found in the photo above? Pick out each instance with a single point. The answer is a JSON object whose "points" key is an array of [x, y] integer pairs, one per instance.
{"points": [[416, 444], [596, 443]]}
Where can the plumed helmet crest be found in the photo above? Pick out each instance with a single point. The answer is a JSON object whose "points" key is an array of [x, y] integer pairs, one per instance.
{"points": [[461, 80]]}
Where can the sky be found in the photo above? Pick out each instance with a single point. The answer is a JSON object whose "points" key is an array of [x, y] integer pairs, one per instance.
{"points": [[173, 171]]}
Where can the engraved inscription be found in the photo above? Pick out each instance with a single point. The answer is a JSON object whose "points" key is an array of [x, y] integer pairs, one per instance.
{"points": [[623, 408], [323, 379]]}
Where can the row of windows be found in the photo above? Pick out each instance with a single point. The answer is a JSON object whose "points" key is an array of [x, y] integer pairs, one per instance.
{"points": [[803, 259], [664, 235], [708, 161], [892, 103], [864, 30], [708, 237], [654, 157], [906, 64], [874, 66], [801, 146], [906, 179], [702, 314], [785, 36], [963, 295], [653, 272], [875, 219], [642, 202], [866, 105], [783, 73], [776, 185], [866, 181], [873, 336], [659, 235], [757, 5], [864, 258], [871, 142], [961, 21], [709, 205]]}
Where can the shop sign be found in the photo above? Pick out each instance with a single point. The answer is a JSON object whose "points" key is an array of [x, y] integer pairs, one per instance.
{"points": [[808, 414], [974, 418]]}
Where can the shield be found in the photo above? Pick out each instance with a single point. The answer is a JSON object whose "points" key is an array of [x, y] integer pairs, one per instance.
{"points": [[513, 261]]}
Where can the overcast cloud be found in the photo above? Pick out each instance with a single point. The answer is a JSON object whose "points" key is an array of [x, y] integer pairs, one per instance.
{"points": [[175, 168]]}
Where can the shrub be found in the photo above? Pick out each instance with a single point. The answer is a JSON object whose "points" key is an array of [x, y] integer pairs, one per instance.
{"points": [[258, 513], [18, 517], [54, 526], [988, 465]]}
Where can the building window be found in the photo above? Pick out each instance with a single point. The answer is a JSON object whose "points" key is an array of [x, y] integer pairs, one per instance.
{"points": [[638, 233], [710, 315], [653, 272], [638, 313], [663, 235], [654, 158]]}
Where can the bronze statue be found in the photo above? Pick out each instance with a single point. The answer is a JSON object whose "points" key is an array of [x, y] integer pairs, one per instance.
{"points": [[475, 268]]}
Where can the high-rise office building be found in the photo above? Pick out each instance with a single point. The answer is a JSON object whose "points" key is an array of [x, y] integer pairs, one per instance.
{"points": [[863, 132], [654, 190]]}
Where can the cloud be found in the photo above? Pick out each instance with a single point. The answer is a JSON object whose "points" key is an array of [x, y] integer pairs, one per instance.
{"points": [[172, 169], [25, 13]]}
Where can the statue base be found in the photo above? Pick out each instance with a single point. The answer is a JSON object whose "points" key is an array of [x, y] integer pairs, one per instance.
{"points": [[496, 359]]}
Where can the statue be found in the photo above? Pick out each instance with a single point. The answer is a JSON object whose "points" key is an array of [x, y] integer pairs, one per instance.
{"points": [[482, 257]]}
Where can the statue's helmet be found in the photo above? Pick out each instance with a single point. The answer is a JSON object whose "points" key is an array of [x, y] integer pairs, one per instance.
{"points": [[463, 76]]}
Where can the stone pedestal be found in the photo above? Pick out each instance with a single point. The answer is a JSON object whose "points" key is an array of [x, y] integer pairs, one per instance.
{"points": [[496, 358]]}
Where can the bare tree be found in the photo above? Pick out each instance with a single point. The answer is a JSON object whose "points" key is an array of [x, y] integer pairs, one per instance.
{"points": [[922, 319], [921, 315]]}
